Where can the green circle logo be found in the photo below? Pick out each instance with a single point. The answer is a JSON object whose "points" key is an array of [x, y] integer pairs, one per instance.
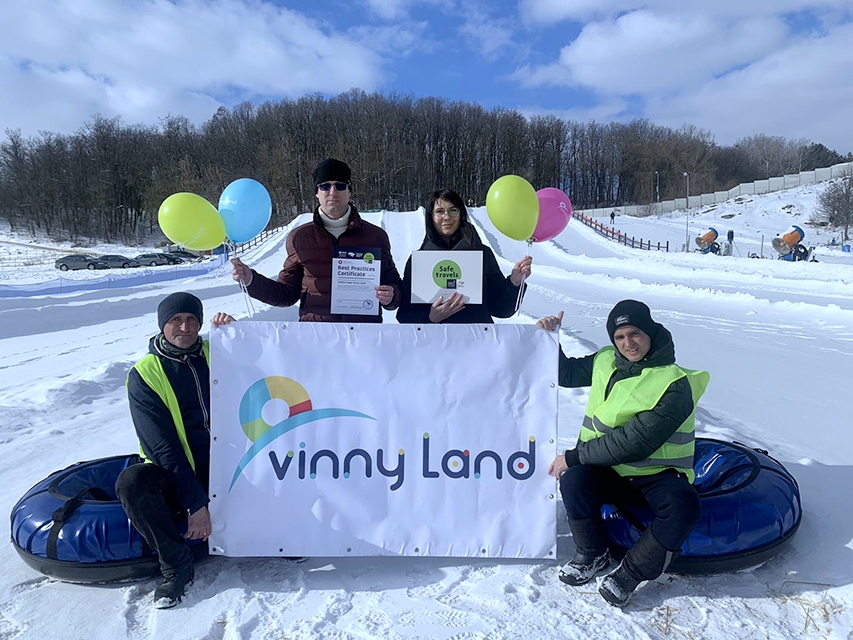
{"points": [[369, 258], [446, 273]]}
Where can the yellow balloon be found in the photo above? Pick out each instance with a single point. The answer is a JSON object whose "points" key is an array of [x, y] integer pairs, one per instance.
{"points": [[191, 221], [513, 207]]}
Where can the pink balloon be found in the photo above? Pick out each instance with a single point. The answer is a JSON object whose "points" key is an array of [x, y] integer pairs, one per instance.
{"points": [[555, 211]]}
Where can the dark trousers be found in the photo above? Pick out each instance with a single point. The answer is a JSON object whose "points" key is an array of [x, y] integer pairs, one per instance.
{"points": [[148, 494], [673, 500]]}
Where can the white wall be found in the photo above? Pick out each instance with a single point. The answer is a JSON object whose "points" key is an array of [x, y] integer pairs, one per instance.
{"points": [[747, 189]]}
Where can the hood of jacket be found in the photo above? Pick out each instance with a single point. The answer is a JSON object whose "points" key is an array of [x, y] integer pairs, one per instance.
{"points": [[466, 237]]}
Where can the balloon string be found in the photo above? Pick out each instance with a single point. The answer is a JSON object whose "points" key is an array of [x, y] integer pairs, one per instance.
{"points": [[250, 308], [523, 279]]}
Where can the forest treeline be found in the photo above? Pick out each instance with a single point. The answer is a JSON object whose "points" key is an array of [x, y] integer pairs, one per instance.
{"points": [[107, 180]]}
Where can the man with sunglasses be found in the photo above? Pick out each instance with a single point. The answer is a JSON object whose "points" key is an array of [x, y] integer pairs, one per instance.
{"points": [[307, 273]]}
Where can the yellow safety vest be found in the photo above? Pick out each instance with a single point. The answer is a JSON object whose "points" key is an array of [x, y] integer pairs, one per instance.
{"points": [[636, 394], [151, 371]]}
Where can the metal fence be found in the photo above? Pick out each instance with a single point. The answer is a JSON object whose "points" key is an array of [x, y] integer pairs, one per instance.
{"points": [[748, 189]]}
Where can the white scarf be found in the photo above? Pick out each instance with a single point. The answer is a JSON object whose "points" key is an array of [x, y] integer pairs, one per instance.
{"points": [[335, 227]]}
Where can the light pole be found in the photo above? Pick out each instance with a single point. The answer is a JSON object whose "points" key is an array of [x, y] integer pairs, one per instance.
{"points": [[687, 215], [657, 192]]}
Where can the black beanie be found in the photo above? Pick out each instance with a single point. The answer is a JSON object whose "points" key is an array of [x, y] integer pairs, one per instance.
{"points": [[180, 302], [332, 170], [633, 313]]}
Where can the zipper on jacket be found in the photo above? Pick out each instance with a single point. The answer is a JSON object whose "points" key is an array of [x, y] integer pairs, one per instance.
{"points": [[200, 394]]}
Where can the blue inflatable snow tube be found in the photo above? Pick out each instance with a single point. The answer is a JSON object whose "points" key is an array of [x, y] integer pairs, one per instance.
{"points": [[750, 506], [71, 526]]}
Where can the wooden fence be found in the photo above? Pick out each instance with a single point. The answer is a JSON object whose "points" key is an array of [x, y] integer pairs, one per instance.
{"points": [[618, 236]]}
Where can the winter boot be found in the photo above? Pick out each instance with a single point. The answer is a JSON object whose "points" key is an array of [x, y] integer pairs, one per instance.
{"points": [[646, 560], [170, 591], [617, 587], [583, 568], [591, 554]]}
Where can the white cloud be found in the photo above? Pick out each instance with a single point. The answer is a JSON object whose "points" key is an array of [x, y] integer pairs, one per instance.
{"points": [[388, 9], [733, 77], [546, 75], [642, 53], [145, 59], [488, 38], [400, 40], [804, 90], [602, 112], [553, 12]]}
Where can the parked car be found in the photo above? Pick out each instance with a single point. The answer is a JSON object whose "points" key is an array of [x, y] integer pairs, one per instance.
{"points": [[115, 260], [80, 261], [186, 256], [155, 259]]}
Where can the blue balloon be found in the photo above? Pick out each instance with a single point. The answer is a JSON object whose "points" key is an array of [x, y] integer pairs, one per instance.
{"points": [[245, 207]]}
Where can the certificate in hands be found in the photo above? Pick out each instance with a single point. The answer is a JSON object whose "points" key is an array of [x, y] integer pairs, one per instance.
{"points": [[355, 276]]}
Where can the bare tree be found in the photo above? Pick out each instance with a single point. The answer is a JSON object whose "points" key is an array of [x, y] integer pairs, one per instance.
{"points": [[836, 204], [108, 180]]}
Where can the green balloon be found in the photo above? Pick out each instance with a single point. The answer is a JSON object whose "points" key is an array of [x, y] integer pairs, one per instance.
{"points": [[513, 207], [191, 221]]}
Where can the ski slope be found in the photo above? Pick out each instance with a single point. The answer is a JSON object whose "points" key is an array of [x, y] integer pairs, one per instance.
{"points": [[776, 337]]}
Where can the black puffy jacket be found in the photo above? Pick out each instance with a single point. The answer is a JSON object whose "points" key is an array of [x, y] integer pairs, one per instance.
{"points": [[500, 295], [189, 377]]}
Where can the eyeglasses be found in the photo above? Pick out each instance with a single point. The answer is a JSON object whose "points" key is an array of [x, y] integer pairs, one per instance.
{"points": [[450, 213], [327, 186]]}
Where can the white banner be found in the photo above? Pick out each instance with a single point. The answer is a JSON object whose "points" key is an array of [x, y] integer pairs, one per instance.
{"points": [[378, 439]]}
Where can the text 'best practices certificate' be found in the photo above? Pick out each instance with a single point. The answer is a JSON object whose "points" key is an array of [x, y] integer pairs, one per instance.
{"points": [[355, 276]]}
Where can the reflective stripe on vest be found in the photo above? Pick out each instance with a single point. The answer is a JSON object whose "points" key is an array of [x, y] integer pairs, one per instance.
{"points": [[631, 396], [151, 371]]}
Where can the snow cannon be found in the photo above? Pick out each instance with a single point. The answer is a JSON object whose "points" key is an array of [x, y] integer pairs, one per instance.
{"points": [[704, 241], [786, 242], [707, 241]]}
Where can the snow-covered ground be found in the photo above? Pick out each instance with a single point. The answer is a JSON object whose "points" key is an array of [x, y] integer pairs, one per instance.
{"points": [[777, 338]]}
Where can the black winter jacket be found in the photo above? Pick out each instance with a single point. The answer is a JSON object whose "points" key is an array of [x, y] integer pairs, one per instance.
{"points": [[646, 432], [500, 295], [189, 376]]}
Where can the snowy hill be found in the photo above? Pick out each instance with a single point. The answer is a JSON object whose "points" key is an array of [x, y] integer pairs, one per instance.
{"points": [[777, 338]]}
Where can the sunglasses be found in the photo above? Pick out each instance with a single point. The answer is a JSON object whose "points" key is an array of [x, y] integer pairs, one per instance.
{"points": [[327, 186]]}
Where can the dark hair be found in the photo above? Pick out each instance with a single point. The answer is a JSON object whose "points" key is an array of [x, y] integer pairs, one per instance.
{"points": [[453, 198]]}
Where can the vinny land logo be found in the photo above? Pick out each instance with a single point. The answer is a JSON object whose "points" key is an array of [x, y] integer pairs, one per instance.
{"points": [[302, 412]]}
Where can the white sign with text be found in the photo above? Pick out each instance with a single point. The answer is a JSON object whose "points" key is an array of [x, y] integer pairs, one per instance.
{"points": [[333, 439], [355, 276], [442, 273]]}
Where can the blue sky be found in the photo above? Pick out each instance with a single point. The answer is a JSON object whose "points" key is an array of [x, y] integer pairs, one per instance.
{"points": [[733, 67]]}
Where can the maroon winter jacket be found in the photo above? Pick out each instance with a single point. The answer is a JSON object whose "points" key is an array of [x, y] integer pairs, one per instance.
{"points": [[307, 274]]}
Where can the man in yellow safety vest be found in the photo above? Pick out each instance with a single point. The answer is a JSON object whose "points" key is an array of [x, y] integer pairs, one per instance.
{"points": [[636, 445], [169, 395]]}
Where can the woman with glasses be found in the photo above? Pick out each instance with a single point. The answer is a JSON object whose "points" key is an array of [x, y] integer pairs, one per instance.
{"points": [[448, 229]]}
